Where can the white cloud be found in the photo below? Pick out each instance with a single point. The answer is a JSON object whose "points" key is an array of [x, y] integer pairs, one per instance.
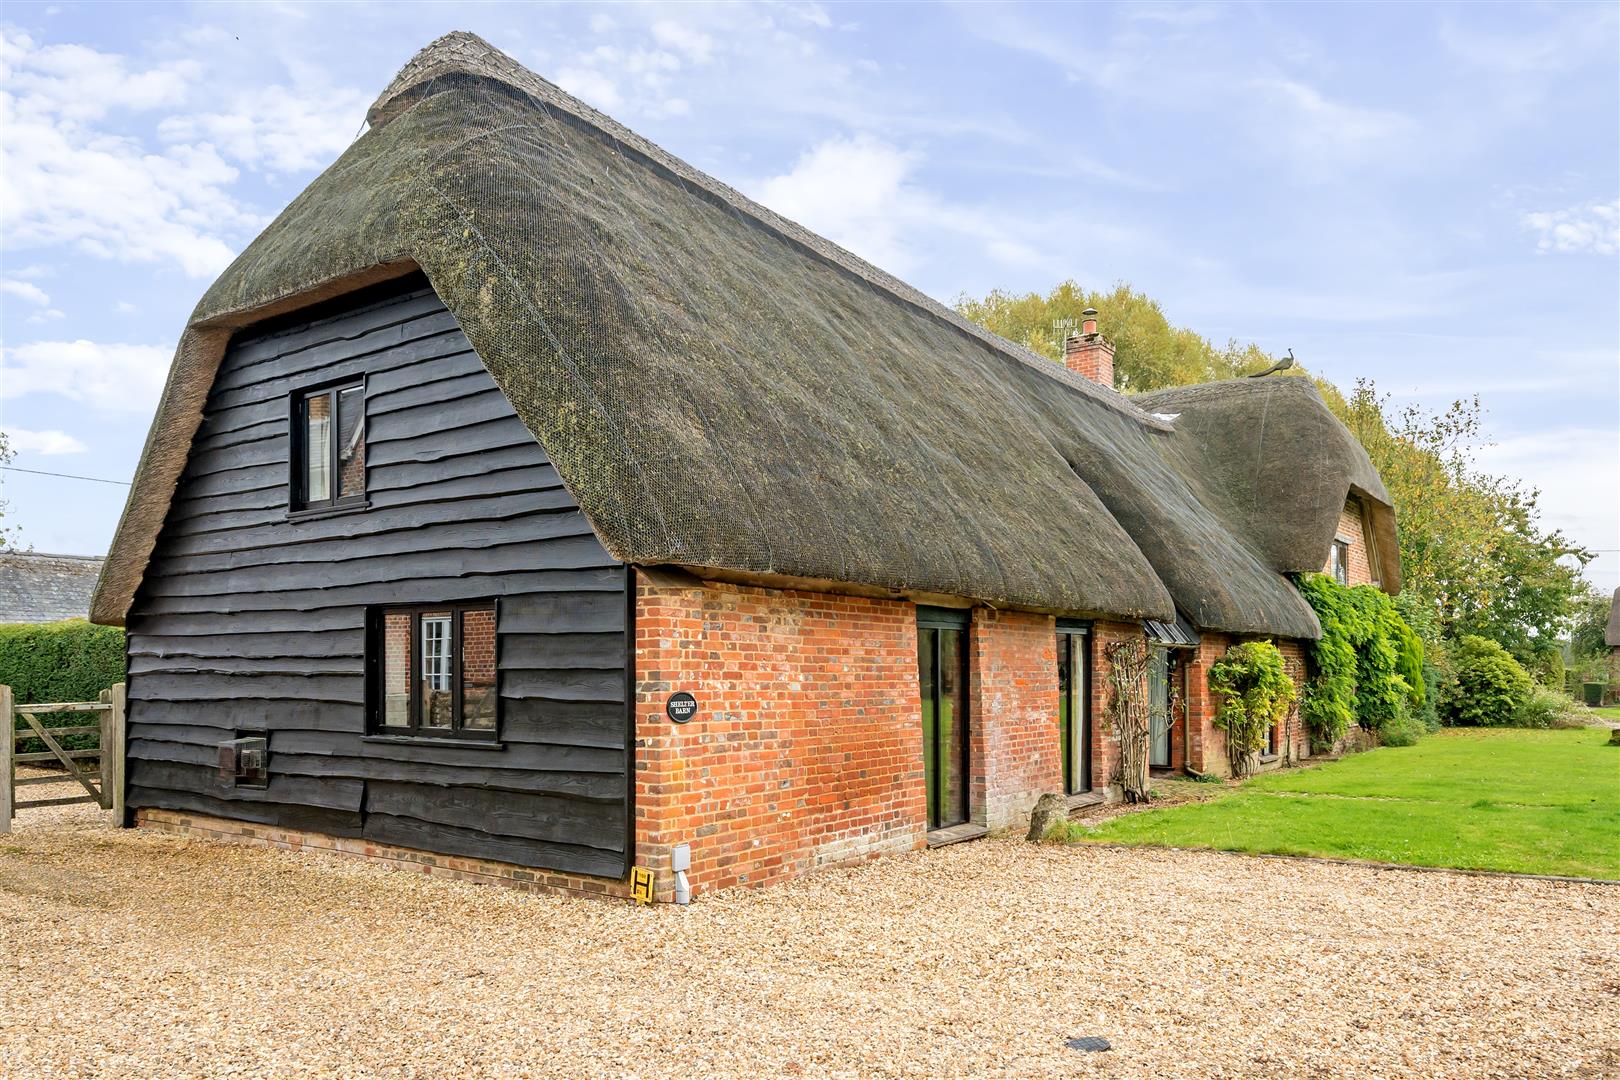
{"points": [[859, 192], [114, 377], [1575, 34], [124, 307], [1593, 228], [1577, 471], [1318, 126], [694, 45], [591, 86], [276, 128], [47, 315], [44, 442], [25, 290], [75, 172], [67, 182], [85, 84]]}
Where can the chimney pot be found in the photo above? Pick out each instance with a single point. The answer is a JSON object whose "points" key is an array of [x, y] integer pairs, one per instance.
{"points": [[1089, 353]]}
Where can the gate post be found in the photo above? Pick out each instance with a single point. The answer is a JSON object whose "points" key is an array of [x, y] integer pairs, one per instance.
{"points": [[8, 746], [117, 726], [106, 757]]}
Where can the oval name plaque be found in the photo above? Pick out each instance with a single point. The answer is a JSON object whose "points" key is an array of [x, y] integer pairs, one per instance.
{"points": [[681, 707]]}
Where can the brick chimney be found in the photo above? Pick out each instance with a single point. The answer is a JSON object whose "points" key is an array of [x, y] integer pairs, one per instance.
{"points": [[1090, 354]]}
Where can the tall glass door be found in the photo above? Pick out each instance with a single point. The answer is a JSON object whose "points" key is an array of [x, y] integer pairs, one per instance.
{"points": [[942, 673], [1074, 710], [1159, 718]]}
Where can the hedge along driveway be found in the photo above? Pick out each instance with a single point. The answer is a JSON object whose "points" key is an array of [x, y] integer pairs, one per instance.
{"points": [[1541, 802]]}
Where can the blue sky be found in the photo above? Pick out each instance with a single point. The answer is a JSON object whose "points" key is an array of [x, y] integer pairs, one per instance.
{"points": [[1426, 196]]}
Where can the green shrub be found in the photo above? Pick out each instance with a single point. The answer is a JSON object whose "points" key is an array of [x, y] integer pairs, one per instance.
{"points": [[1487, 687], [70, 660], [1403, 730], [1547, 708], [1255, 693], [1367, 666]]}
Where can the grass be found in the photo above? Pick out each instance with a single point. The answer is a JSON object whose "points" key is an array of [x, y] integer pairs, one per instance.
{"points": [[1535, 802], [1608, 712]]}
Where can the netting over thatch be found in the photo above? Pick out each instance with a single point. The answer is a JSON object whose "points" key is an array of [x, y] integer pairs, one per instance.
{"points": [[721, 388]]}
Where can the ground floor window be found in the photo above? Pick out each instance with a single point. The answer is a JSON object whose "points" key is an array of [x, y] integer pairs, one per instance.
{"points": [[1074, 706], [433, 671], [942, 675]]}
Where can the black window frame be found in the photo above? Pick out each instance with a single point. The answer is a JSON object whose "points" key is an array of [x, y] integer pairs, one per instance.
{"points": [[959, 620], [1074, 639], [298, 501], [376, 691]]}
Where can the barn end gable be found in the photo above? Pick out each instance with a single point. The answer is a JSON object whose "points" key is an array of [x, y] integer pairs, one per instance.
{"points": [[256, 620]]}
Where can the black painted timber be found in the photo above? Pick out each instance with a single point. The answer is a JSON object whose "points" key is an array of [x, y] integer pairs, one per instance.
{"points": [[249, 620]]}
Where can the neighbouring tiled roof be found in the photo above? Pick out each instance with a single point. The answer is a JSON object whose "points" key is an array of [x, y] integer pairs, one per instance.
{"points": [[37, 588]]}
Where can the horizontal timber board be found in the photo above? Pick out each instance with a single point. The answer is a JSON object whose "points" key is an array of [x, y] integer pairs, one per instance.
{"points": [[426, 836], [309, 818]]}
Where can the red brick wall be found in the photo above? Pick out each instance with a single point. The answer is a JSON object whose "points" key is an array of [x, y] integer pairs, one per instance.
{"points": [[806, 749], [1015, 744], [1351, 528]]}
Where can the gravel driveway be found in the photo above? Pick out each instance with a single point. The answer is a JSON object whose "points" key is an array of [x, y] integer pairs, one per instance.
{"points": [[139, 955]]}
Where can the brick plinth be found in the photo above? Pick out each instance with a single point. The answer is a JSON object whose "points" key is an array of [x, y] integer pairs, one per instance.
{"points": [[525, 878]]}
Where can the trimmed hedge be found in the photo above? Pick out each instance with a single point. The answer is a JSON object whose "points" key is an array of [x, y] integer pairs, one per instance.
{"points": [[71, 660]]}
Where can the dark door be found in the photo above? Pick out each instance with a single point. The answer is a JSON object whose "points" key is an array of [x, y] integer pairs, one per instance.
{"points": [[942, 673], [1159, 667], [1074, 709]]}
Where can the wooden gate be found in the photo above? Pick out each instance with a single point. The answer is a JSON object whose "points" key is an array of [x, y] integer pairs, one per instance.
{"points": [[104, 786]]}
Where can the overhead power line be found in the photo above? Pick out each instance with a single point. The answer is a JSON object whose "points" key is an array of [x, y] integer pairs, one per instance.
{"points": [[64, 476]]}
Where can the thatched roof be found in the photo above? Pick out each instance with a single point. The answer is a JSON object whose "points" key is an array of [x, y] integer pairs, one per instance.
{"points": [[722, 389], [1611, 633], [38, 588]]}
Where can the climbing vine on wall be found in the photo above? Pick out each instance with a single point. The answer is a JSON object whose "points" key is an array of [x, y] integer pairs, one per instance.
{"points": [[1367, 665], [1255, 695], [1129, 714]]}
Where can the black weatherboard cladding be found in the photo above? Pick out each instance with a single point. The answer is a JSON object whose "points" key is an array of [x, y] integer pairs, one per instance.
{"points": [[248, 621]]}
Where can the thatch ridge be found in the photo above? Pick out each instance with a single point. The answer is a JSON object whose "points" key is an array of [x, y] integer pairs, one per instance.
{"points": [[720, 388]]}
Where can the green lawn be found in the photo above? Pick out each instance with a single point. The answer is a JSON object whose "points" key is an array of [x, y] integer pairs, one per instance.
{"points": [[1611, 712], [1538, 802]]}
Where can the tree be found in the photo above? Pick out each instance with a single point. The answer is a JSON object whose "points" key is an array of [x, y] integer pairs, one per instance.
{"points": [[1474, 556], [1149, 353], [1588, 626]]}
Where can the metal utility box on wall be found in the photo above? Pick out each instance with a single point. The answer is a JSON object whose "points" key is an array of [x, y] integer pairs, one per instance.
{"points": [[243, 762]]}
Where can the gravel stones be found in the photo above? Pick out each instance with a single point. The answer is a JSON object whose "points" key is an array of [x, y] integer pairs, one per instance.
{"points": [[135, 954]]}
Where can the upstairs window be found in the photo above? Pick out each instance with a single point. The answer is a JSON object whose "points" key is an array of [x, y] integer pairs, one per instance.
{"points": [[1339, 562], [433, 671], [329, 447]]}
